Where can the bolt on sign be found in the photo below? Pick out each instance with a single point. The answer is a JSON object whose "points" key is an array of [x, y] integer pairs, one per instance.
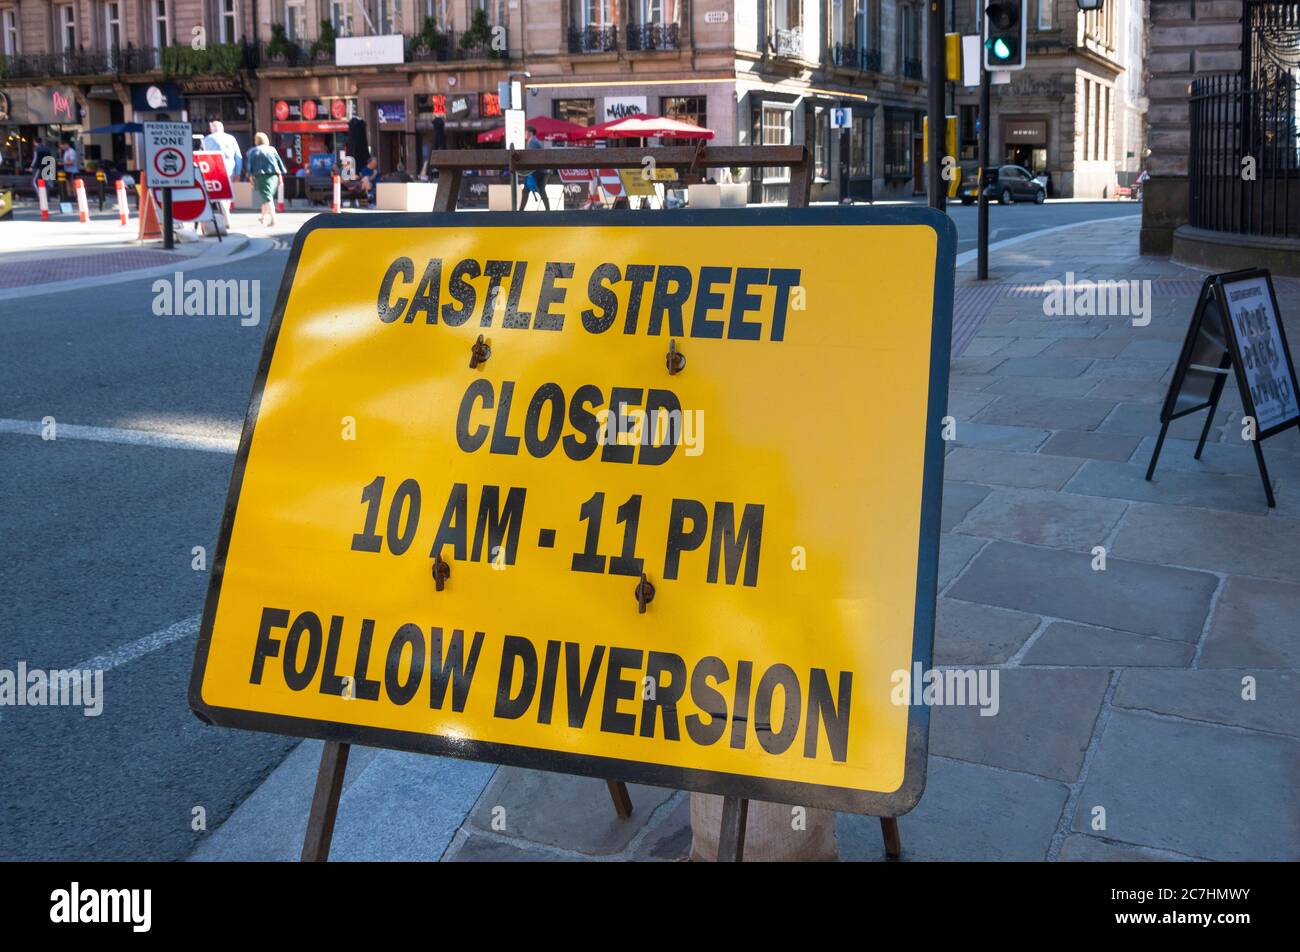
{"points": [[654, 499]]}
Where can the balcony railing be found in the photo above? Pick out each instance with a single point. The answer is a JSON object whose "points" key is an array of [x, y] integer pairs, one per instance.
{"points": [[593, 39], [419, 48], [855, 57], [642, 37], [786, 43], [130, 60], [912, 68]]}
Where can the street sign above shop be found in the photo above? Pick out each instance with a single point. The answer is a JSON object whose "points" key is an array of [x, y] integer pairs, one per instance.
{"points": [[369, 50], [522, 493]]}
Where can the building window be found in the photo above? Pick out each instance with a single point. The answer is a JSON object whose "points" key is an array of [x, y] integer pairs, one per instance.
{"points": [[68, 29], [581, 112], [9, 26], [295, 20], [495, 10], [598, 14], [228, 21], [860, 147], [1045, 14], [341, 16], [898, 145], [909, 41], [692, 109], [440, 12], [385, 17], [968, 134], [777, 129], [161, 26]]}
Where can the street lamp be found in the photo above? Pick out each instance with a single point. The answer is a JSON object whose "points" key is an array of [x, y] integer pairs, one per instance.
{"points": [[1088, 6]]}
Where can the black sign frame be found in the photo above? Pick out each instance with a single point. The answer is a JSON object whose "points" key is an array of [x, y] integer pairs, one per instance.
{"points": [[1212, 302]]}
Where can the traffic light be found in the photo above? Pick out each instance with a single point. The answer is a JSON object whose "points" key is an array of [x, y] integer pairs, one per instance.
{"points": [[1004, 34]]}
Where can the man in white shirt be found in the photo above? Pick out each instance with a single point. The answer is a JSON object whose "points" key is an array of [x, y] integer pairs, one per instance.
{"points": [[219, 140]]}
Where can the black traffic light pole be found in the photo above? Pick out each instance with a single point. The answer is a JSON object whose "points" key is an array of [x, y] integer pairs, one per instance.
{"points": [[938, 122], [986, 107]]}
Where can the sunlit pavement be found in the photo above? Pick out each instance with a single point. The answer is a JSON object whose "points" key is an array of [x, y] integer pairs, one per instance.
{"points": [[1119, 688]]}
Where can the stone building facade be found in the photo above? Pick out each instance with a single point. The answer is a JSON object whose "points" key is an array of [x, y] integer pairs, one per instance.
{"points": [[1075, 111], [427, 73]]}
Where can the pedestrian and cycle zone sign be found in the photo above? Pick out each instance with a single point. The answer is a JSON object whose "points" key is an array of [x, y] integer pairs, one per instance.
{"points": [[685, 489]]}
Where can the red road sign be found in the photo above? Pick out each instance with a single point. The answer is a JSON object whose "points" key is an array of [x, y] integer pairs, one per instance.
{"points": [[188, 204], [210, 172]]}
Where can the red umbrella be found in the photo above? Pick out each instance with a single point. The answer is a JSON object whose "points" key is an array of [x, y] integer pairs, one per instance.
{"points": [[548, 129], [640, 126]]}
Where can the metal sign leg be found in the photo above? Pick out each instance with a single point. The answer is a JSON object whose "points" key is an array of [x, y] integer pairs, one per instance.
{"points": [[1263, 473], [1155, 455], [325, 802], [731, 840]]}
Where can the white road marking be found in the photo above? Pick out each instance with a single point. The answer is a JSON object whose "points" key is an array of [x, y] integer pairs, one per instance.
{"points": [[141, 647], [104, 434]]}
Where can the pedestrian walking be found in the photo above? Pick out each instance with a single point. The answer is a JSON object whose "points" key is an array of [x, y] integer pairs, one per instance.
{"points": [[535, 182], [266, 167], [42, 166], [219, 140]]}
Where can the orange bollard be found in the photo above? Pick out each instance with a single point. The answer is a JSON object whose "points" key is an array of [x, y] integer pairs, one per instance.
{"points": [[44, 198], [122, 211], [279, 195], [83, 212], [338, 193]]}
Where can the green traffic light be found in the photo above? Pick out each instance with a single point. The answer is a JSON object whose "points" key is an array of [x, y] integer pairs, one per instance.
{"points": [[1000, 49]]}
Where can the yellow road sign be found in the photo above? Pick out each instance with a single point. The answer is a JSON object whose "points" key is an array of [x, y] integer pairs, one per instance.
{"points": [[437, 543]]}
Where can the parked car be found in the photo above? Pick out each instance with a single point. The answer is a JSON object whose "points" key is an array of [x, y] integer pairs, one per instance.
{"points": [[1014, 183], [1011, 183]]}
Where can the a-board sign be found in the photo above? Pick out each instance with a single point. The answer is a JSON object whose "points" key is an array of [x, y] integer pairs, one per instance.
{"points": [[673, 519], [168, 150], [210, 173], [1270, 377], [1236, 329]]}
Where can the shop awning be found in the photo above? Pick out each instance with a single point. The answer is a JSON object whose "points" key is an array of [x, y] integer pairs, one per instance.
{"points": [[640, 126], [117, 128], [548, 129]]}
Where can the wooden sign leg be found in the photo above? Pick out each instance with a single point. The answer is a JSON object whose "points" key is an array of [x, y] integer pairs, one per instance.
{"points": [[325, 802], [622, 799], [731, 840], [893, 843]]}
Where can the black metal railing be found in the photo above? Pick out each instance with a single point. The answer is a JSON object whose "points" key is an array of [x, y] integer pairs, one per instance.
{"points": [[786, 43], [124, 61], [912, 68], [643, 37], [855, 57], [1244, 156], [593, 39]]}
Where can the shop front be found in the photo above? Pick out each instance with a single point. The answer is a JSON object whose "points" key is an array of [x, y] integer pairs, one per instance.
{"points": [[220, 98], [1024, 143], [30, 112], [308, 132]]}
